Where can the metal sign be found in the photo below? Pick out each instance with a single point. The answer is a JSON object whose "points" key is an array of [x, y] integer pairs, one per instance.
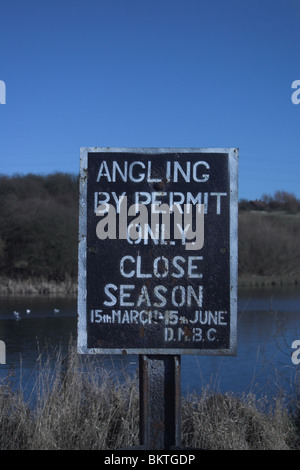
{"points": [[158, 251]]}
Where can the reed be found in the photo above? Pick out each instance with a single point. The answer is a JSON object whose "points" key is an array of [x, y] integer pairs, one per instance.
{"points": [[77, 404]]}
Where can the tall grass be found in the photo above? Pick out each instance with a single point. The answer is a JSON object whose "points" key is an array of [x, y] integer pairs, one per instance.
{"points": [[224, 422], [78, 404]]}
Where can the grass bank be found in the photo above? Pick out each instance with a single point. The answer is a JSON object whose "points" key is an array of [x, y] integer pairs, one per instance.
{"points": [[255, 280], [81, 406], [43, 287], [37, 286]]}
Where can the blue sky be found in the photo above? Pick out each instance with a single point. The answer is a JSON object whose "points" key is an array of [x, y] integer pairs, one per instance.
{"points": [[159, 73]]}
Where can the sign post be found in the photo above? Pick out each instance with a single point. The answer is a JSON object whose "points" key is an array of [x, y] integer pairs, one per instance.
{"points": [[158, 266], [160, 401]]}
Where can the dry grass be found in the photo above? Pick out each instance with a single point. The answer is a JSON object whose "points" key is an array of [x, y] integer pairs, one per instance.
{"points": [[224, 422], [37, 286], [79, 405]]}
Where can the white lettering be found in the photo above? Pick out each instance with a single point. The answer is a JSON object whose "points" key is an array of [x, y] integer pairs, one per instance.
{"points": [[137, 171], [113, 300], [103, 172], [179, 295]]}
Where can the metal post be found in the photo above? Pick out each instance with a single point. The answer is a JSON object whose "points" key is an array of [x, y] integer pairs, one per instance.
{"points": [[160, 401]]}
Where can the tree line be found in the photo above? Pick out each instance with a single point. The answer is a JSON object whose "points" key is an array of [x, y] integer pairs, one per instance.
{"points": [[39, 229], [39, 226], [281, 201]]}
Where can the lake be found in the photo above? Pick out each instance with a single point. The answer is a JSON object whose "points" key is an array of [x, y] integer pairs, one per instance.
{"points": [[268, 323]]}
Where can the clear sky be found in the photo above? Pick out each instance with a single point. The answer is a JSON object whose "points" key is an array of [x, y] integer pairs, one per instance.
{"points": [[159, 73]]}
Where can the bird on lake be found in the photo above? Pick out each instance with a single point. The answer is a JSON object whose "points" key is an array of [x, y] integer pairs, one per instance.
{"points": [[17, 315], [28, 311], [56, 310]]}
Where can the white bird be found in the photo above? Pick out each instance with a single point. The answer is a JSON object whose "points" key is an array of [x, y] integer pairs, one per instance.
{"points": [[56, 310], [28, 310], [17, 315]]}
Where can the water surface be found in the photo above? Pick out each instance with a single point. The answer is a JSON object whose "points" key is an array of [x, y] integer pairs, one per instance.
{"points": [[268, 323]]}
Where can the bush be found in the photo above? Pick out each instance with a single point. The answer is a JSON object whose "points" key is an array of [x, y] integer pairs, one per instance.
{"points": [[39, 226], [268, 245]]}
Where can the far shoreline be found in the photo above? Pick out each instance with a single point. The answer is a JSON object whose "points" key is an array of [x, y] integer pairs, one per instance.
{"points": [[69, 287], [254, 280]]}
